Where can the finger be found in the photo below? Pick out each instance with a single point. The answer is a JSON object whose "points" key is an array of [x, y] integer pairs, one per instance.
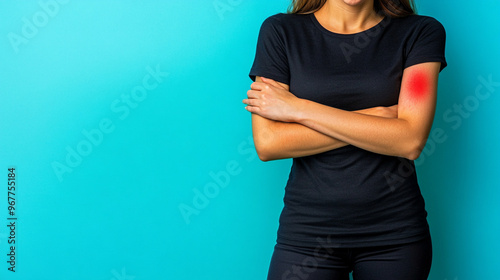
{"points": [[253, 109], [257, 86], [253, 94], [271, 82], [251, 102]]}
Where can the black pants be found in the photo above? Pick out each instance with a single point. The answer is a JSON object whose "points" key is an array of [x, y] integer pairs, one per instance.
{"points": [[395, 262]]}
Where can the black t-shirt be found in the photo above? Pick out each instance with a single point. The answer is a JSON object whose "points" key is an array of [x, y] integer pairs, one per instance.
{"points": [[349, 197]]}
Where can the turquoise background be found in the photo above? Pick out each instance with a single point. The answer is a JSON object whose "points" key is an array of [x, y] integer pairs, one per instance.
{"points": [[115, 213]]}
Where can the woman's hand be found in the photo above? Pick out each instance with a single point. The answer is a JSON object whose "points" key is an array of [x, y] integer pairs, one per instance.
{"points": [[270, 100]]}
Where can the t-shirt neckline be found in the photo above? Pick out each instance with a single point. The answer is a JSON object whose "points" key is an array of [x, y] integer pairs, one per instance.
{"points": [[380, 24]]}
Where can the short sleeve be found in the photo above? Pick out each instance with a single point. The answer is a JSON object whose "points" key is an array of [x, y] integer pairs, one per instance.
{"points": [[428, 44], [270, 57]]}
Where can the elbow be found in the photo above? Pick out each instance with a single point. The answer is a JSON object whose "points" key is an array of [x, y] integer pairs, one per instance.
{"points": [[264, 152], [413, 155], [264, 158], [414, 149]]}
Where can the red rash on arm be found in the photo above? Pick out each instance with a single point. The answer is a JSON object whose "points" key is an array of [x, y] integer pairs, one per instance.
{"points": [[418, 85]]}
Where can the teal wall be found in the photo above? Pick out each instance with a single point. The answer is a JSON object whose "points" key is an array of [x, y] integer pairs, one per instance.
{"points": [[133, 155]]}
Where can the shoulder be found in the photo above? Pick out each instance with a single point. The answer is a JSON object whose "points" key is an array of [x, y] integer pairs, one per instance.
{"points": [[282, 18], [419, 22], [422, 38], [416, 28], [284, 21]]}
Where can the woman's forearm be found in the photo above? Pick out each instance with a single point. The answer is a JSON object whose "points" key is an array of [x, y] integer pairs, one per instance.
{"points": [[278, 140], [394, 137]]}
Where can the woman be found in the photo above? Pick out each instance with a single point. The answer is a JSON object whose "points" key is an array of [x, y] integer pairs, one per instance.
{"points": [[347, 88]]}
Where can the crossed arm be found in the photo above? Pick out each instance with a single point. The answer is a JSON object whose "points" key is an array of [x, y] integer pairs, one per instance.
{"points": [[285, 126]]}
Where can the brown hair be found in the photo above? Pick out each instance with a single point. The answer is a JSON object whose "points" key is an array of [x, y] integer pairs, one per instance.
{"points": [[391, 8]]}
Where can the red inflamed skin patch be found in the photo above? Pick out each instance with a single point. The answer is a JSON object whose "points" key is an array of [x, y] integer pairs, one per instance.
{"points": [[418, 85]]}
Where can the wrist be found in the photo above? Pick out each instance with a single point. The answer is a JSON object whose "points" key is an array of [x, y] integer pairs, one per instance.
{"points": [[300, 110]]}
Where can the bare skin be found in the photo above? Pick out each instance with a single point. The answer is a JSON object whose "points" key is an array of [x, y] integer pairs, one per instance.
{"points": [[285, 126], [348, 16]]}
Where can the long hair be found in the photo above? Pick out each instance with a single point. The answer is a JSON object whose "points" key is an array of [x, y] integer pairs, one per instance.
{"points": [[391, 8]]}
